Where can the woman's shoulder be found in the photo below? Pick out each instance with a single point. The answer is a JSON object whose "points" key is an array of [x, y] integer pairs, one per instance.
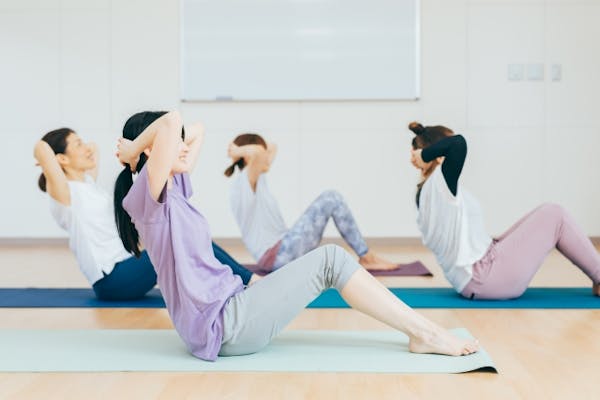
{"points": [[435, 187], [139, 186], [87, 183], [183, 183], [241, 181], [433, 180]]}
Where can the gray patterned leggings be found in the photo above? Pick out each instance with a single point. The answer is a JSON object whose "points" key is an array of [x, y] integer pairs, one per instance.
{"points": [[307, 232]]}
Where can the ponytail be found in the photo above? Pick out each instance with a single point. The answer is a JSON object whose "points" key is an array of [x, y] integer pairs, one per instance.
{"points": [[42, 182], [239, 163], [127, 232], [134, 126]]}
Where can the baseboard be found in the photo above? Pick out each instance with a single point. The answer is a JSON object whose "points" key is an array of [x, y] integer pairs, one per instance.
{"points": [[234, 242], [26, 242], [223, 241], [372, 241]]}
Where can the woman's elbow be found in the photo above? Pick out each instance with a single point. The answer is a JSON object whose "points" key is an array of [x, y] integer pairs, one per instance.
{"points": [[172, 123]]}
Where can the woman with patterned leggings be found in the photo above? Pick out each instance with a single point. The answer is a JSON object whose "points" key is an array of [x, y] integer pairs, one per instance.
{"points": [[257, 213]]}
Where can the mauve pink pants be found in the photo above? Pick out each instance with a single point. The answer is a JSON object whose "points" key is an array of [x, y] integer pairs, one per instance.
{"points": [[506, 269]]}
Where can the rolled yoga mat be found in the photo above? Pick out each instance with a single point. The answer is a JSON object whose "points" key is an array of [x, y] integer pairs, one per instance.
{"points": [[415, 268], [542, 298], [162, 350]]}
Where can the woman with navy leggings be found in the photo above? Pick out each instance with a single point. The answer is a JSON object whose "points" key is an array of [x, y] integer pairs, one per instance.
{"points": [[85, 211]]}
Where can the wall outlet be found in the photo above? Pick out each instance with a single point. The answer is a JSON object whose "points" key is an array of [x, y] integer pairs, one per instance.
{"points": [[515, 72], [535, 72], [556, 72]]}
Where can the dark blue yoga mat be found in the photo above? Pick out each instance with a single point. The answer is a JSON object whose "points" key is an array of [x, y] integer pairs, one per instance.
{"points": [[71, 297], [575, 297]]}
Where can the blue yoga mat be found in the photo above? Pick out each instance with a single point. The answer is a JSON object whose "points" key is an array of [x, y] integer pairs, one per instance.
{"points": [[574, 297]]}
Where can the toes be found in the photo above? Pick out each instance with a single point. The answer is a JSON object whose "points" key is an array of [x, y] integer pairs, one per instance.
{"points": [[470, 348], [474, 346]]}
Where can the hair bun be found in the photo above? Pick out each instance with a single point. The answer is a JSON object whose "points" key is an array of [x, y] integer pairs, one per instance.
{"points": [[416, 127]]}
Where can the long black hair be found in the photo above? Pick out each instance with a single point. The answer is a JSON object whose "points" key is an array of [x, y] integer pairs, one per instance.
{"points": [[57, 140], [133, 127]]}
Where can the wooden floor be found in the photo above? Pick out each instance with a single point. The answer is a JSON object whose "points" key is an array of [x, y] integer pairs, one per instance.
{"points": [[540, 354]]}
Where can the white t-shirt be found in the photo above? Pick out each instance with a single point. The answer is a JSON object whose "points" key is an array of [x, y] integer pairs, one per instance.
{"points": [[452, 228], [90, 223], [257, 214]]}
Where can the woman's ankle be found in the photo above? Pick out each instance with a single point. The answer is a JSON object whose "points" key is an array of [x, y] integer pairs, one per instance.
{"points": [[368, 257]]}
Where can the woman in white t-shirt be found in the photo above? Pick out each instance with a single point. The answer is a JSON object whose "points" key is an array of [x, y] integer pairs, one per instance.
{"points": [[451, 223], [85, 211], [257, 213]]}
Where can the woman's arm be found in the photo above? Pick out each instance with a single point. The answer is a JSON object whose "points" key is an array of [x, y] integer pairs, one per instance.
{"points": [[454, 151], [94, 171], [164, 137], [57, 184], [194, 138], [271, 152], [257, 158]]}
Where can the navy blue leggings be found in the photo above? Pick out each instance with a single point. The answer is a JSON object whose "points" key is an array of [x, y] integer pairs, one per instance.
{"points": [[236, 267], [130, 279], [133, 277]]}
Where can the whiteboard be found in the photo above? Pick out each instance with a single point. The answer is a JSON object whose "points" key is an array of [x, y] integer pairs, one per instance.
{"points": [[299, 50]]}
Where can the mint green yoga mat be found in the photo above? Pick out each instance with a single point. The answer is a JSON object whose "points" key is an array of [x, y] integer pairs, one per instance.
{"points": [[163, 350]]}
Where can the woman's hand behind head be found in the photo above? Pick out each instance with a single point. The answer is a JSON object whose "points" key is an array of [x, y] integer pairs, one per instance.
{"points": [[127, 154]]}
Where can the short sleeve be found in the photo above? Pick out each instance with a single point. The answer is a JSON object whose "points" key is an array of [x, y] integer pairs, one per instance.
{"points": [[62, 214], [183, 184], [139, 203]]}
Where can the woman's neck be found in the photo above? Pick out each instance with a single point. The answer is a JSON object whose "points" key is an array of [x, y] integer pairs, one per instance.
{"points": [[75, 175]]}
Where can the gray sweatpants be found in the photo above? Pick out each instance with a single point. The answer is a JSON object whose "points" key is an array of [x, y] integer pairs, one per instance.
{"points": [[253, 317]]}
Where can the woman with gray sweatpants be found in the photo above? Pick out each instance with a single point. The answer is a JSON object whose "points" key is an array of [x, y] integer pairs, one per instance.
{"points": [[451, 223], [210, 308]]}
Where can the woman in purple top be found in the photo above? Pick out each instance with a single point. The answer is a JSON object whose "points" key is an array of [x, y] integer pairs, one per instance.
{"points": [[211, 310]]}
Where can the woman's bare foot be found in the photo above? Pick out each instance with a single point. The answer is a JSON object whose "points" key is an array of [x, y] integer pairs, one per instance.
{"points": [[372, 261], [441, 341], [596, 289]]}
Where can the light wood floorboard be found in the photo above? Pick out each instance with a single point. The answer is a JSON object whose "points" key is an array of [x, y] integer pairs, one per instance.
{"points": [[541, 354]]}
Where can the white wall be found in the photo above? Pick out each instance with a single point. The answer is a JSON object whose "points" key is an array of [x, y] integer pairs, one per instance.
{"points": [[89, 64]]}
